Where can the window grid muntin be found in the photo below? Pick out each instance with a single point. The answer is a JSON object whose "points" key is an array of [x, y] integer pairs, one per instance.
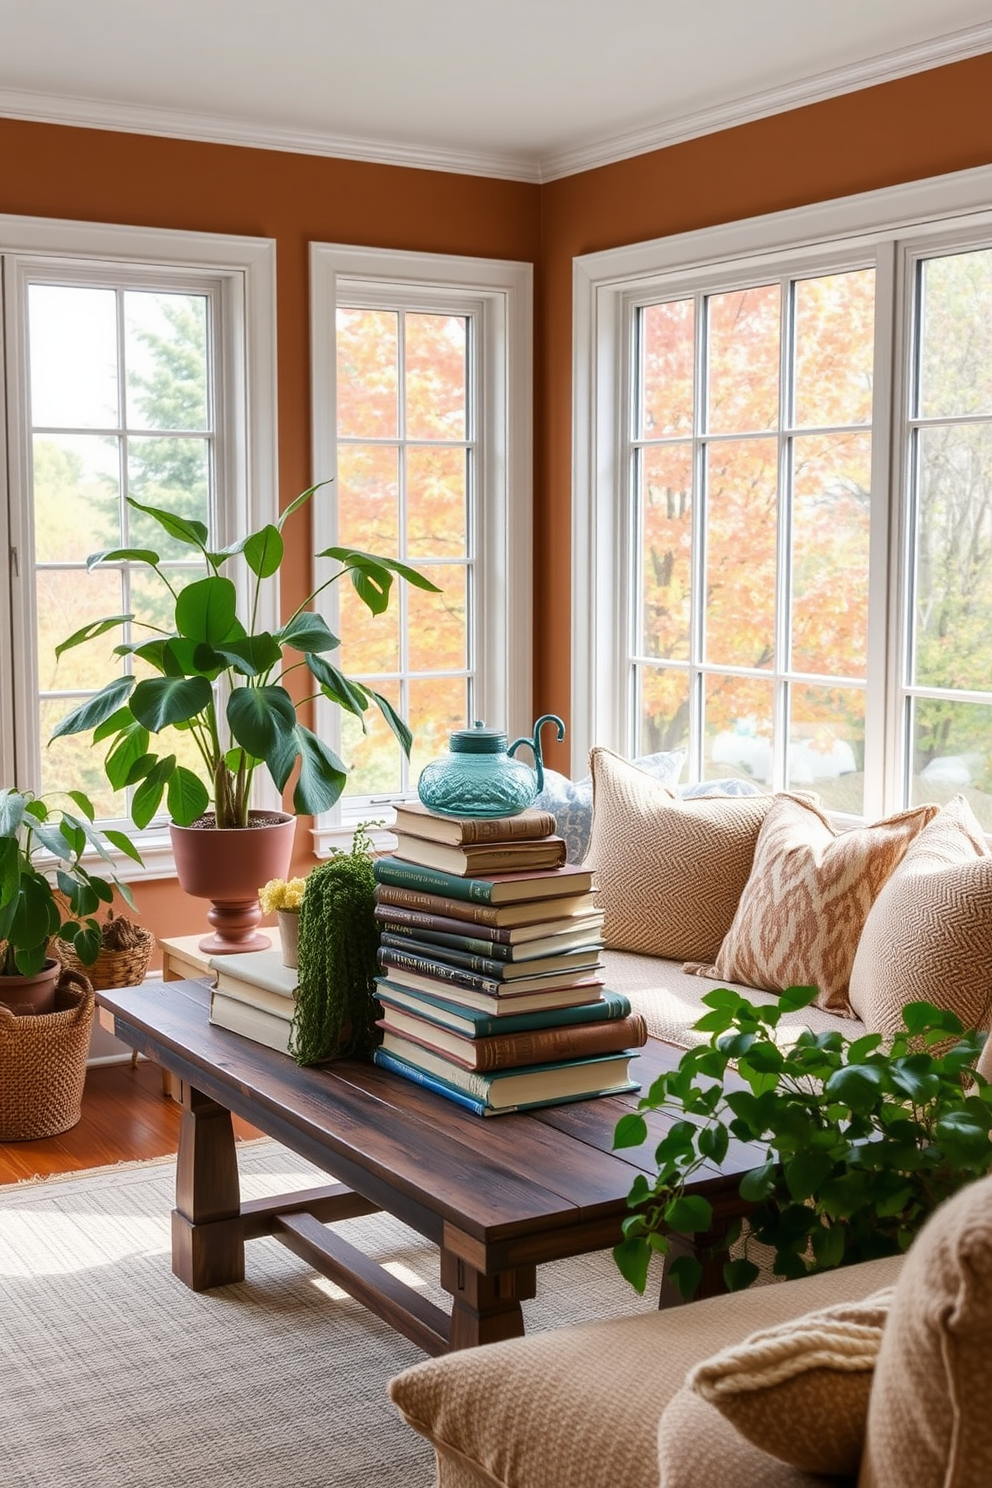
{"points": [[782, 675]]}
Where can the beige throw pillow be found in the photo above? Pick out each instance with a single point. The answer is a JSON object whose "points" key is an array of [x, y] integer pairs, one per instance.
{"points": [[928, 936], [669, 872], [800, 1390], [928, 1419], [806, 901]]}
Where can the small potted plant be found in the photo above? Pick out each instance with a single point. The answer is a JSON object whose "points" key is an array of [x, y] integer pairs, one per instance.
{"points": [[283, 900], [221, 683], [47, 892], [860, 1142]]}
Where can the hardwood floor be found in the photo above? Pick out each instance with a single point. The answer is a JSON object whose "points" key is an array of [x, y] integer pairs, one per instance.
{"points": [[125, 1118]]}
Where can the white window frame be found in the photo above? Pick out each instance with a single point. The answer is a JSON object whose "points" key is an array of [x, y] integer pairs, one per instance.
{"points": [[499, 293], [240, 273], [890, 229]]}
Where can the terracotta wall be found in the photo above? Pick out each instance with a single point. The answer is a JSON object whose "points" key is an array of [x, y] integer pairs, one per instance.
{"points": [[931, 123], [925, 125], [92, 175]]}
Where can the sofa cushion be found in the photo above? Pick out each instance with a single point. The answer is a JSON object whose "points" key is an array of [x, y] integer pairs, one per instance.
{"points": [[804, 905], [669, 872], [928, 1419], [570, 801], [580, 1406], [699, 1448], [928, 936], [800, 1389]]}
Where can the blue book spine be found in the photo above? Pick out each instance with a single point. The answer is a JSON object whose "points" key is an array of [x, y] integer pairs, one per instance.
{"points": [[611, 1005], [468, 945], [420, 1077]]}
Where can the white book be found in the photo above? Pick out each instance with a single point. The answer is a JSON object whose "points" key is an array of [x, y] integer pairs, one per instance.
{"points": [[251, 1022], [256, 969]]}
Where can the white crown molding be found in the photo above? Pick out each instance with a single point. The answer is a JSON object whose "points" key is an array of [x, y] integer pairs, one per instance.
{"points": [[125, 118], [90, 113], [956, 46]]}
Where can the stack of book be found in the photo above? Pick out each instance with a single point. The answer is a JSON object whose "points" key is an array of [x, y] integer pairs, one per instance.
{"points": [[255, 995], [489, 952]]}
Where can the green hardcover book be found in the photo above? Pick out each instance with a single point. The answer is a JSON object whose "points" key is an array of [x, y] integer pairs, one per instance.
{"points": [[501, 969], [485, 1022], [493, 888]]}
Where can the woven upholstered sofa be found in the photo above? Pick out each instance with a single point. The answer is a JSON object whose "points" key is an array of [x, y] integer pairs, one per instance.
{"points": [[880, 1372], [759, 891]]}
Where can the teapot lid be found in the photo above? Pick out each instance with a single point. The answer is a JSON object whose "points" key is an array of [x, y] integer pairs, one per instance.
{"points": [[477, 740]]}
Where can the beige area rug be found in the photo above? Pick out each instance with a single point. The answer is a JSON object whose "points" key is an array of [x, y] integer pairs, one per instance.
{"points": [[114, 1375]]}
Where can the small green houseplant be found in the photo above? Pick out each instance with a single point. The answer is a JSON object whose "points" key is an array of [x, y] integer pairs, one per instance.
{"points": [[859, 1143], [208, 642], [45, 889]]}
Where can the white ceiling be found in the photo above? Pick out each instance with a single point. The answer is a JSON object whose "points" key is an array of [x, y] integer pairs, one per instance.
{"points": [[527, 89]]}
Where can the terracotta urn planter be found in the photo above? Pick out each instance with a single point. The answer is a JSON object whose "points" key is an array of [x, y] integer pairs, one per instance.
{"points": [[30, 995], [227, 865]]}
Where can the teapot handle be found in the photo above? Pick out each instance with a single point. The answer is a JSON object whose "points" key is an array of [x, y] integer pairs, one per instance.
{"points": [[535, 743]]}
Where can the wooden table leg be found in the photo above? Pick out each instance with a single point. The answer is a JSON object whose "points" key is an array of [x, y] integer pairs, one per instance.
{"points": [[485, 1309], [208, 1247]]}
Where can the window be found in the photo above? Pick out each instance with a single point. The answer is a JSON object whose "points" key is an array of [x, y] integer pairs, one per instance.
{"points": [[783, 540], [126, 375], [421, 410]]}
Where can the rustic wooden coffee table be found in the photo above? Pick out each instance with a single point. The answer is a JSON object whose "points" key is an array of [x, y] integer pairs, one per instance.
{"points": [[498, 1196]]}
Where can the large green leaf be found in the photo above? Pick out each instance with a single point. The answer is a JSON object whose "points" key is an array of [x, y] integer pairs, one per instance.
{"points": [[96, 709], [11, 812], [193, 534], [123, 555], [352, 557], [351, 696], [9, 868], [133, 746], [206, 611], [308, 632], [250, 655], [633, 1257], [148, 797], [322, 775], [263, 551], [263, 721], [187, 798], [158, 702], [399, 726], [88, 632]]}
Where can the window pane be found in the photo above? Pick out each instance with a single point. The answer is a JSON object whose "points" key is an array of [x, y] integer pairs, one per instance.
{"points": [[741, 508], [737, 731], [835, 330], [666, 550], [663, 710], [436, 348], [953, 597], [73, 357], [438, 636], [367, 374], [952, 752], [827, 746], [956, 335], [368, 497], [830, 518], [172, 475], [436, 503], [437, 706], [373, 758], [165, 357], [369, 643], [743, 360], [67, 600], [76, 496], [148, 599], [667, 370]]}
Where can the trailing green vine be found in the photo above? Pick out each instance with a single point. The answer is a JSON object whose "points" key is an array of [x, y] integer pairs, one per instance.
{"points": [[335, 1004]]}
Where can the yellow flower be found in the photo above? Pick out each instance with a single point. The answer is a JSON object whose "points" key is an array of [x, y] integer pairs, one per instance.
{"points": [[277, 894]]}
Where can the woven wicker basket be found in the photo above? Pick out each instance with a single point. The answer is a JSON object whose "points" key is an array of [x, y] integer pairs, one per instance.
{"points": [[43, 1064], [113, 967]]}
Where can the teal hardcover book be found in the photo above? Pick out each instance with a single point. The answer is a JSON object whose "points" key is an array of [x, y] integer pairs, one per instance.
{"points": [[477, 1023], [493, 888]]}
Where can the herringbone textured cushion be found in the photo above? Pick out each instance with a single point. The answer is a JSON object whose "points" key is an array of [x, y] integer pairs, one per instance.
{"points": [[802, 911], [928, 1419], [928, 936], [800, 1390], [669, 872]]}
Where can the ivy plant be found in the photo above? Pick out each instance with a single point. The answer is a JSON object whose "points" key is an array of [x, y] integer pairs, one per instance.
{"points": [[859, 1140]]}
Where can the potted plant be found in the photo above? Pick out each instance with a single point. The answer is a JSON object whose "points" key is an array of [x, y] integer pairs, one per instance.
{"points": [[40, 843], [221, 682], [861, 1142]]}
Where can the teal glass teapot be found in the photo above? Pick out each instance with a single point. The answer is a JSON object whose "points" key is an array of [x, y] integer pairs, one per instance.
{"points": [[480, 777]]}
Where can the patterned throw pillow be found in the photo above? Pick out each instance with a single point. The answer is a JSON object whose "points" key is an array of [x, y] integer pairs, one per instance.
{"points": [[570, 801], [669, 872], [802, 911], [928, 1420], [800, 1390], [928, 936]]}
